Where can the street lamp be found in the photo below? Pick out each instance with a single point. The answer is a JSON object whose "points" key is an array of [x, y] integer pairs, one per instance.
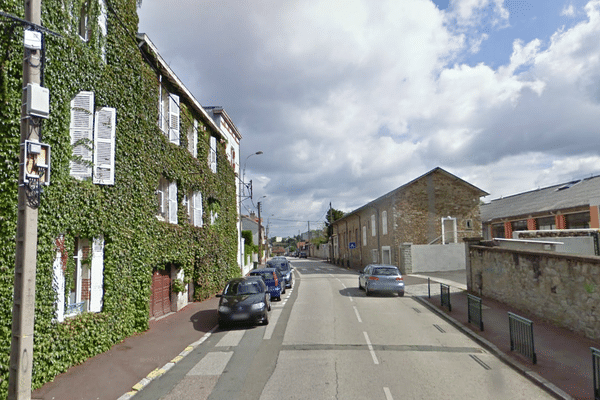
{"points": [[260, 239], [241, 197]]}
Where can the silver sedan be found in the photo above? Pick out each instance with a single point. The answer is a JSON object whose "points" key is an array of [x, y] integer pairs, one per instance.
{"points": [[381, 278]]}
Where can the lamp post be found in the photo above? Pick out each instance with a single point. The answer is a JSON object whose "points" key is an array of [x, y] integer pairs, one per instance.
{"points": [[241, 198], [260, 239]]}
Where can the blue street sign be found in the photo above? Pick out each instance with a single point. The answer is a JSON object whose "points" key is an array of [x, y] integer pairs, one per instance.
{"points": [[352, 245]]}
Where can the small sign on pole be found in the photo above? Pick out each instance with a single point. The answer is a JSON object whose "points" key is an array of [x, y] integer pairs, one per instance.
{"points": [[352, 245]]}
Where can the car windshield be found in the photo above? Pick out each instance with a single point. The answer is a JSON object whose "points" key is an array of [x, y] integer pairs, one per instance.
{"points": [[241, 287], [385, 271]]}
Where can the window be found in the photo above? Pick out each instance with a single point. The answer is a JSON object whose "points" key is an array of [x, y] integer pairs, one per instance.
{"points": [[193, 139], [364, 235], [469, 224], [86, 285], [373, 232], [578, 221], [85, 30], [386, 257], [546, 223], [167, 201], [93, 140], [168, 115], [519, 225], [214, 208], [374, 256], [498, 231], [212, 154], [194, 208], [384, 222]]}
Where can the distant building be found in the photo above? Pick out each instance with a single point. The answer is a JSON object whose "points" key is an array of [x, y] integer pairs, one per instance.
{"points": [[570, 205], [435, 208]]}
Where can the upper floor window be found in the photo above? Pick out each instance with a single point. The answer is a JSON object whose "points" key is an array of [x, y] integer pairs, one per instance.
{"points": [[194, 208], [168, 115], [364, 235], [85, 29], [373, 229], [193, 139], [167, 200], [384, 222], [93, 140], [212, 154]]}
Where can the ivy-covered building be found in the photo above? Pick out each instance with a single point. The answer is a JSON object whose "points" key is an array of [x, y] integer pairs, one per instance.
{"points": [[140, 216]]}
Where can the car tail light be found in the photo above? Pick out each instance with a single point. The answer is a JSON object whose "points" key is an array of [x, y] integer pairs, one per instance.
{"points": [[276, 280], [373, 278], [400, 278]]}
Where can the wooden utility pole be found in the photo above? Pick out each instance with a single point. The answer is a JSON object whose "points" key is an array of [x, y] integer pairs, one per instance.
{"points": [[260, 240], [21, 349]]}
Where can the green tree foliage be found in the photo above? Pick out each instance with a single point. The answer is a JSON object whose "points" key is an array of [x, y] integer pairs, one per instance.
{"points": [[332, 216], [136, 242]]}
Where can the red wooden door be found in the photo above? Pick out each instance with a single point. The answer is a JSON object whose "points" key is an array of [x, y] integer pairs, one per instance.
{"points": [[160, 299]]}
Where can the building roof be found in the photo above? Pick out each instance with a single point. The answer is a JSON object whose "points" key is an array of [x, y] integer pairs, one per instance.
{"points": [[568, 195], [403, 187]]}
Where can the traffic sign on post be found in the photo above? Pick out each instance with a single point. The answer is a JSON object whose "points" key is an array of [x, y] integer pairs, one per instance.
{"points": [[352, 245]]}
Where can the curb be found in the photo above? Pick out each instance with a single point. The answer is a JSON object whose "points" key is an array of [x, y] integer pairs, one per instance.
{"points": [[160, 371], [523, 370]]}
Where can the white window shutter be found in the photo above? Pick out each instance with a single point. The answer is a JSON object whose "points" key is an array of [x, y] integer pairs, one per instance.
{"points": [[197, 208], [212, 156], [97, 275], [81, 130], [174, 119], [173, 202], [193, 140], [104, 146], [161, 107], [58, 284]]}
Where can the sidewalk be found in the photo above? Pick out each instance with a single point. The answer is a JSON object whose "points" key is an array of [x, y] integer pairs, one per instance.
{"points": [[564, 359], [112, 374]]}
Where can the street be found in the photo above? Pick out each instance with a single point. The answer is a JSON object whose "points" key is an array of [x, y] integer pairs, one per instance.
{"points": [[327, 340]]}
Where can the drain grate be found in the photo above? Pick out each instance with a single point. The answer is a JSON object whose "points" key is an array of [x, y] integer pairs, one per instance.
{"points": [[439, 328], [478, 361]]}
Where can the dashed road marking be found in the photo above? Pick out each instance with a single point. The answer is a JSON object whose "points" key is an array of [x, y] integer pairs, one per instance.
{"points": [[370, 346]]}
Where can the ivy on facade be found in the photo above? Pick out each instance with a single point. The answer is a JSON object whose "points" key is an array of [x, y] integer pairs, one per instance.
{"points": [[136, 242]]}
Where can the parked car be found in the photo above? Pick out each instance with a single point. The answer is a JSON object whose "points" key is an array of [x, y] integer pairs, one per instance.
{"points": [[381, 278], [284, 266], [303, 254], [244, 299], [273, 279]]}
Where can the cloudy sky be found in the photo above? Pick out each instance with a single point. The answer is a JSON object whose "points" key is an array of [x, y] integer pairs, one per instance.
{"points": [[349, 99]]}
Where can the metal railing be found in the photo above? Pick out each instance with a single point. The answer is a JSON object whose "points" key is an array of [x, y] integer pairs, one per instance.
{"points": [[596, 369], [474, 309], [445, 296], [521, 336]]}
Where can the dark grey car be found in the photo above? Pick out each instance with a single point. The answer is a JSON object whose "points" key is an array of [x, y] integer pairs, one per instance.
{"points": [[244, 300]]}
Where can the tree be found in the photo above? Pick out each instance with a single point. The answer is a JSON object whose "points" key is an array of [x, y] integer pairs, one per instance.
{"points": [[332, 216]]}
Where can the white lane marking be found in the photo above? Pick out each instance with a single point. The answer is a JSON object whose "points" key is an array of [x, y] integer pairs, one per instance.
{"points": [[272, 322], [357, 314], [231, 338], [388, 394], [370, 346], [212, 364]]}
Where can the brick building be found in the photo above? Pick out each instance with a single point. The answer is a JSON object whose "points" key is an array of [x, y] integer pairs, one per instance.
{"points": [[570, 205], [435, 208]]}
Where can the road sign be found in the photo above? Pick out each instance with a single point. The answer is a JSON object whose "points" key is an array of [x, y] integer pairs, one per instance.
{"points": [[352, 245]]}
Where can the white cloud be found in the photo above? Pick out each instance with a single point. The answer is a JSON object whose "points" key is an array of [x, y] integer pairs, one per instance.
{"points": [[351, 99]]}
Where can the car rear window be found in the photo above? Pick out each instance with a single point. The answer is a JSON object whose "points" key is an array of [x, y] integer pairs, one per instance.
{"points": [[266, 275], [385, 271], [237, 288]]}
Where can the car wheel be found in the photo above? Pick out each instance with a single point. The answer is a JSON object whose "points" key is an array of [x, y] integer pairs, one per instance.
{"points": [[222, 325], [283, 290], [367, 291], [401, 294], [266, 319], [359, 285]]}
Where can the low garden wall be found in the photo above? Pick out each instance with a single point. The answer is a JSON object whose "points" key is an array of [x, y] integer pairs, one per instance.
{"points": [[562, 288]]}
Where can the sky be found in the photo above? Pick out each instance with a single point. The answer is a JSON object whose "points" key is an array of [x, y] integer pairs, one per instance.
{"points": [[350, 99]]}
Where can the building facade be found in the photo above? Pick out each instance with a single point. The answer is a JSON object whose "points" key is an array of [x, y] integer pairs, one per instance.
{"points": [[570, 205], [435, 208]]}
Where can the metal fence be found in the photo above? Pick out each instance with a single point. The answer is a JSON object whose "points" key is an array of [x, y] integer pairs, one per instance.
{"points": [[596, 369], [475, 311], [521, 336], [445, 296]]}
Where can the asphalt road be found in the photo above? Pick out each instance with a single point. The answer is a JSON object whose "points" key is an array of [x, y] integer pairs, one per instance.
{"points": [[327, 340]]}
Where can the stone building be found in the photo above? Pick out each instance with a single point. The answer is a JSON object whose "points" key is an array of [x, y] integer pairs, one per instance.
{"points": [[435, 208]]}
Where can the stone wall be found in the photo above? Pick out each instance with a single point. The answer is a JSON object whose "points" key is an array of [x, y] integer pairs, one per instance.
{"points": [[564, 289]]}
